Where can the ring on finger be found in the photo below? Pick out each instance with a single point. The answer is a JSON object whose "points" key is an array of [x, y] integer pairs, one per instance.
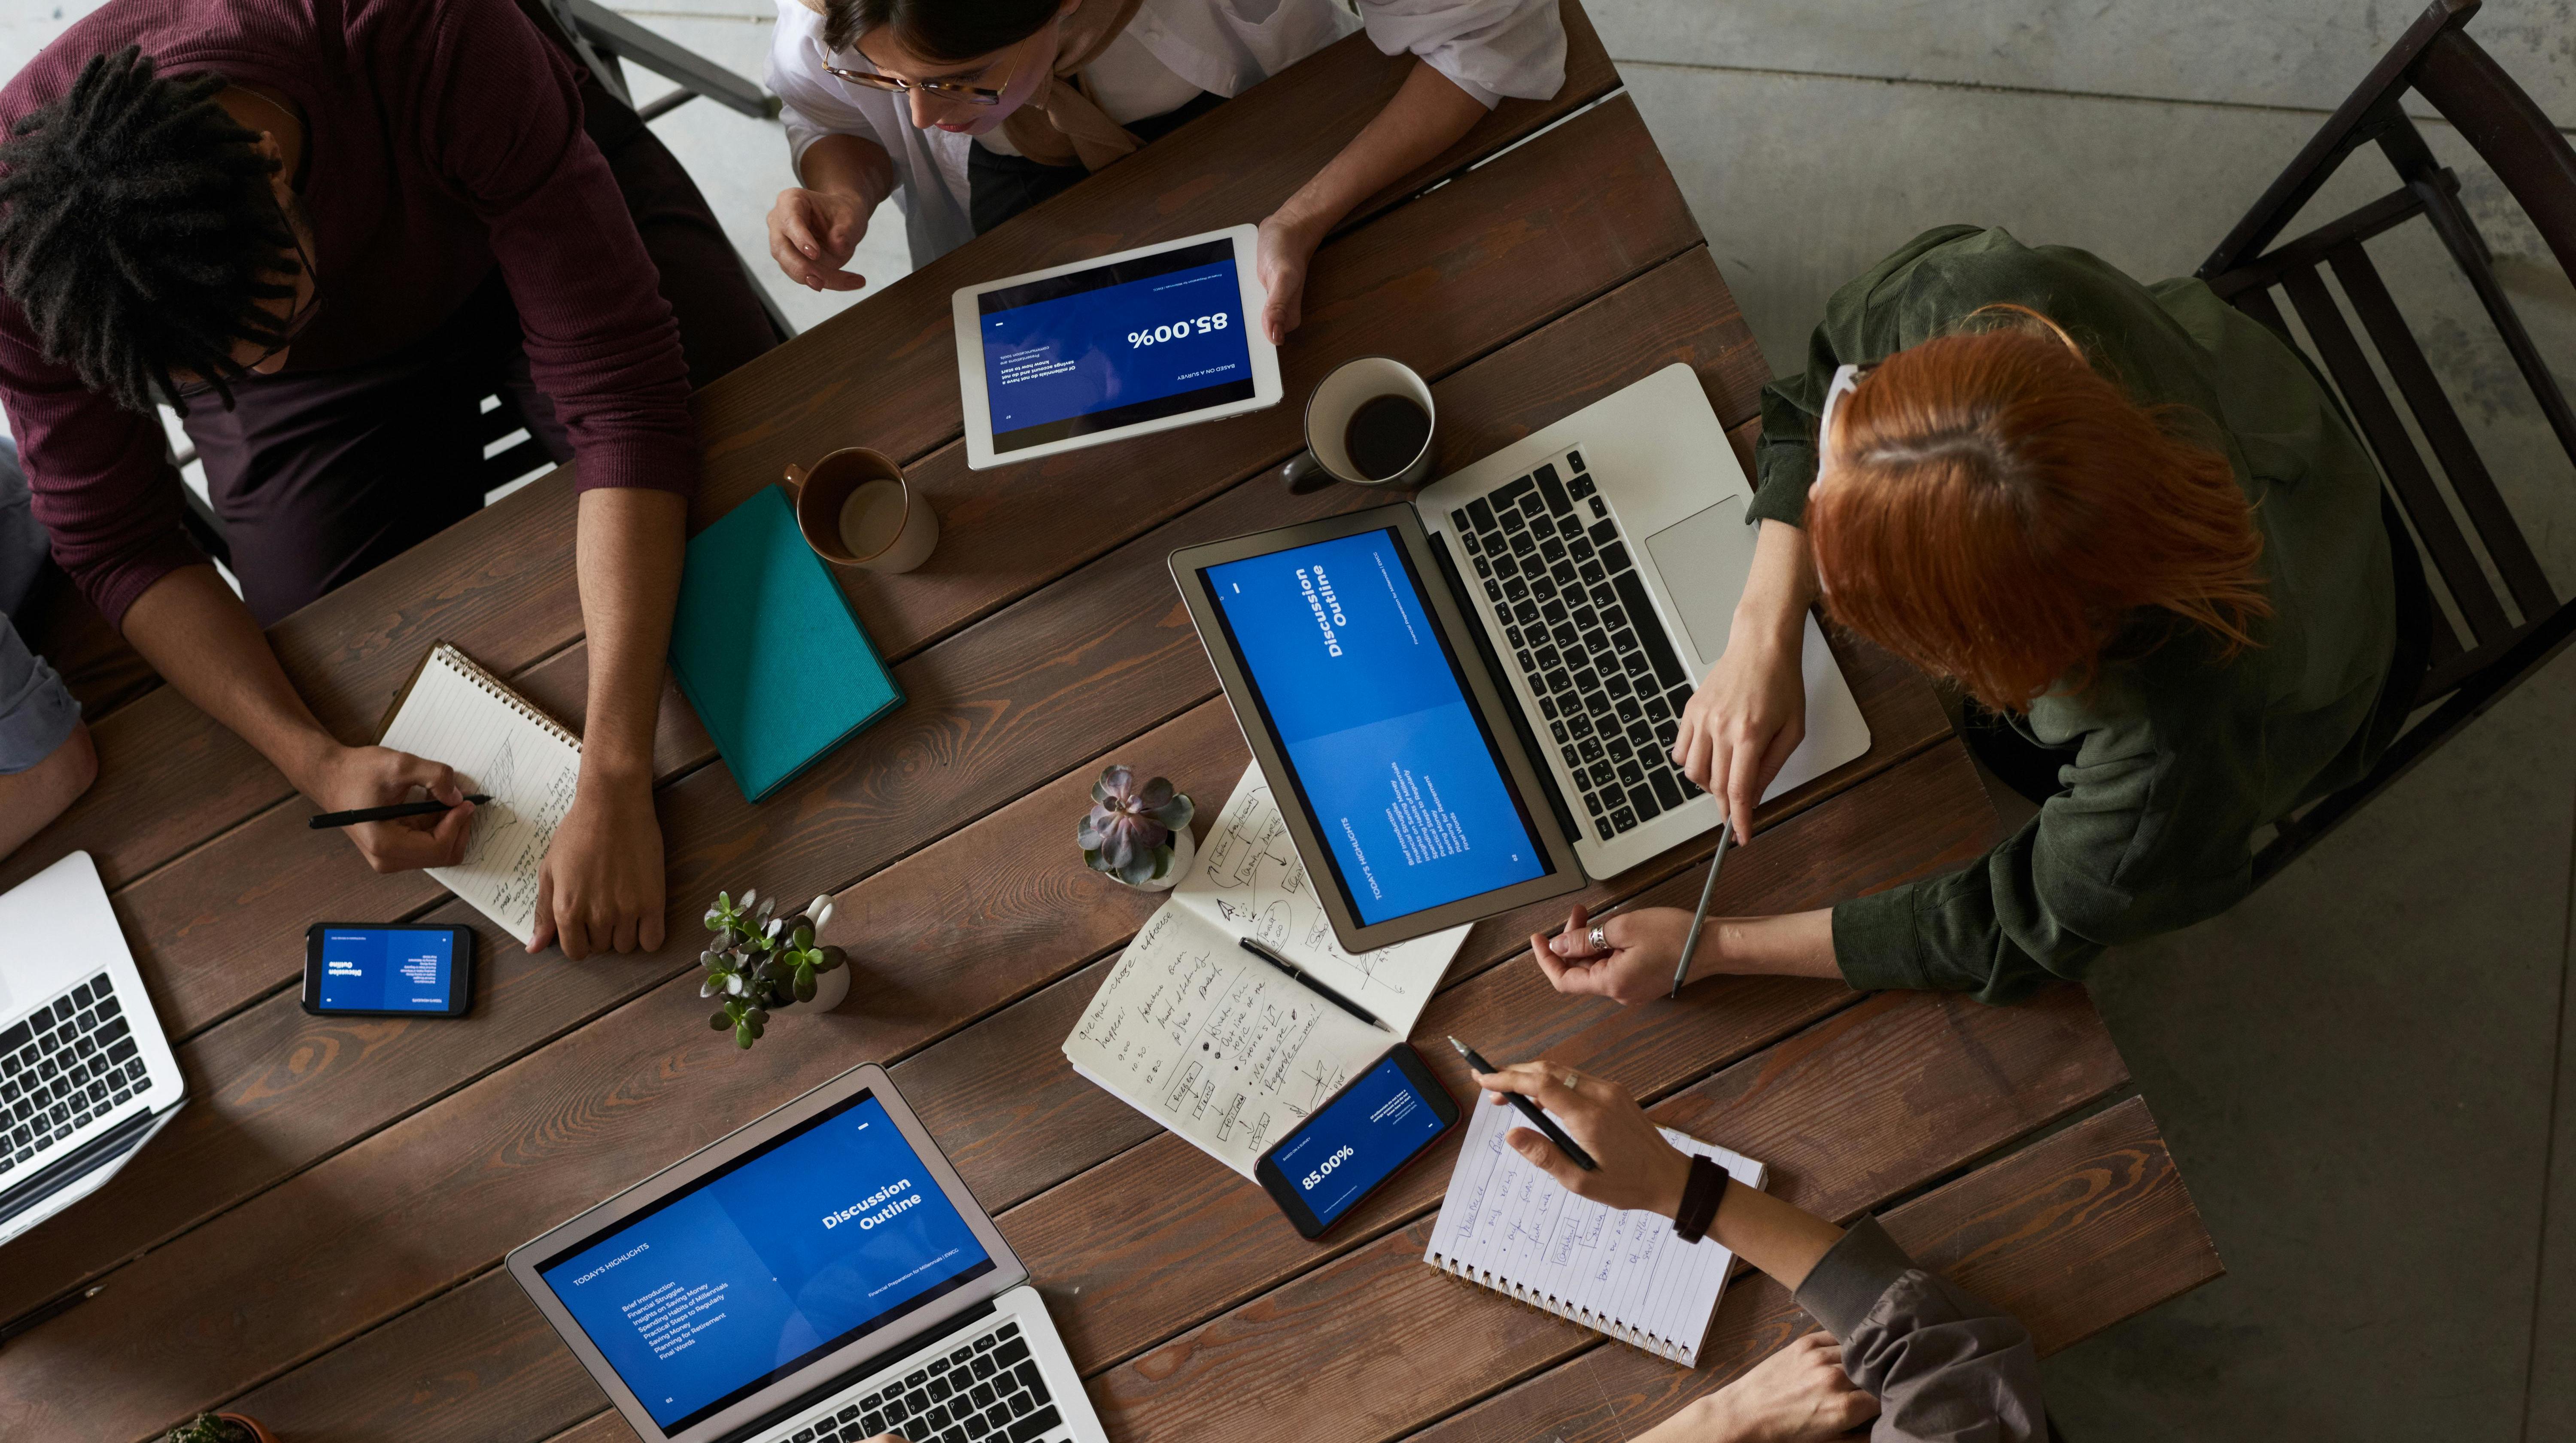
{"points": [[1599, 939]]}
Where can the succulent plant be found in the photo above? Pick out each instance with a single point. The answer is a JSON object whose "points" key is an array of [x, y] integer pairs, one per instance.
{"points": [[760, 961], [1128, 831], [209, 1428]]}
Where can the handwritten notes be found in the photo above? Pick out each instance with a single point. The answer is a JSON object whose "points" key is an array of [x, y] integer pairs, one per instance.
{"points": [[1510, 1227], [1220, 1046], [501, 747], [1249, 880]]}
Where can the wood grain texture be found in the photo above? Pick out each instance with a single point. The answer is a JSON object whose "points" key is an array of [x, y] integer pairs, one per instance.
{"points": [[1934, 1081], [499, 584], [2071, 1234], [1474, 237]]}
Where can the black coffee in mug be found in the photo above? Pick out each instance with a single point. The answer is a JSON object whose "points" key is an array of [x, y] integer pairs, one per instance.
{"points": [[1385, 434]]}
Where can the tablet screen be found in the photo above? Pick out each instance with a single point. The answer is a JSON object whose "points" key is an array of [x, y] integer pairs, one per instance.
{"points": [[823, 1234], [1137, 340], [1394, 768]]}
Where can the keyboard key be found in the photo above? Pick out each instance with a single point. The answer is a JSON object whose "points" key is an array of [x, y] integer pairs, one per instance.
{"points": [[1667, 790], [1604, 533], [1605, 775], [938, 1387], [871, 1424], [1542, 587], [63, 1009], [1554, 680], [1631, 773], [1514, 588], [1580, 548], [1596, 641], [1564, 635], [1623, 820], [1614, 556], [1551, 550], [107, 1008], [1484, 567], [1554, 611], [123, 1050], [1557, 729], [1029, 1379], [1678, 699], [1581, 486], [1656, 710], [1523, 543], [1526, 613], [806, 1436], [1011, 1352], [1587, 680], [1617, 746], [1597, 508], [1481, 517], [1036, 1425], [1552, 490], [1629, 711], [1617, 684], [1644, 801], [1642, 734], [1592, 575], [1571, 528], [1592, 804], [1569, 577], [1510, 492], [1512, 634]]}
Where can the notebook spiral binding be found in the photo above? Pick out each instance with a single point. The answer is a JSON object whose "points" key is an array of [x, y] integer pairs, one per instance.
{"points": [[1546, 1303], [501, 691]]}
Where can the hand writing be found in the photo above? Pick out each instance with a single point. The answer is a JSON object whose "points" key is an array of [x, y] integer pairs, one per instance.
{"points": [[355, 777], [1638, 1168]]}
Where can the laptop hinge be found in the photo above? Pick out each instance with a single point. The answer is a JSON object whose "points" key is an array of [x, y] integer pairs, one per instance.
{"points": [[919, 1343], [1503, 687]]}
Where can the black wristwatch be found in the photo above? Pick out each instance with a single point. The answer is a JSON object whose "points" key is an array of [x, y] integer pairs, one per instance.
{"points": [[1700, 1197]]}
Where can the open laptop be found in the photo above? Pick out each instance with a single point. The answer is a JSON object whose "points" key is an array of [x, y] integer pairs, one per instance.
{"points": [[1472, 698], [817, 1276], [86, 1076]]}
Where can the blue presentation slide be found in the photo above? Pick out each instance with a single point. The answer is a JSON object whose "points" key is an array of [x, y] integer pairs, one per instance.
{"points": [[1124, 348], [387, 969], [756, 1271], [1397, 774], [1357, 1139]]}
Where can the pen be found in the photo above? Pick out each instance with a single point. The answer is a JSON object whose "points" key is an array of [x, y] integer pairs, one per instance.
{"points": [[1531, 1110], [325, 821], [1699, 919], [1302, 975]]}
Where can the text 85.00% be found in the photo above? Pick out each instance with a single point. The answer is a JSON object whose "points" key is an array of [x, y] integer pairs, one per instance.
{"points": [[1177, 330]]}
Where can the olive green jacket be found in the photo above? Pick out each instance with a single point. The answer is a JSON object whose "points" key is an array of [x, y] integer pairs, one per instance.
{"points": [[2182, 754]]}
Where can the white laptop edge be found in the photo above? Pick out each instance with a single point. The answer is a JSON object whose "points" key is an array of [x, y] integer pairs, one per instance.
{"points": [[977, 405], [842, 1365]]}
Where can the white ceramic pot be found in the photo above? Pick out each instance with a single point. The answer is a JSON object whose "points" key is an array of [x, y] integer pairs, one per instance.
{"points": [[831, 989], [1185, 849]]}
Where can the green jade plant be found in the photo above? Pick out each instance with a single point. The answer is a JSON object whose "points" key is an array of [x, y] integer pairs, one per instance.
{"points": [[214, 1428], [759, 962], [1129, 831]]}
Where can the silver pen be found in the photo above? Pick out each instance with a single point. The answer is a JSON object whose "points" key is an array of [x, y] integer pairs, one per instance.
{"points": [[1699, 919]]}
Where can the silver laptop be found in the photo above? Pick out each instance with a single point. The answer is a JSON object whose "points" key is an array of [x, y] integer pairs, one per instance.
{"points": [[820, 1275], [1612, 547], [86, 1076], [1468, 703]]}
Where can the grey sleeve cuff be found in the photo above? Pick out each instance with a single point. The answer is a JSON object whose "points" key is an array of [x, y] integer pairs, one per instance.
{"points": [[37, 712], [1852, 1276]]}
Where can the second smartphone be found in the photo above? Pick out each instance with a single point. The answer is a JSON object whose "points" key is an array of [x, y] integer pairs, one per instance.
{"points": [[354, 969], [1388, 1116]]}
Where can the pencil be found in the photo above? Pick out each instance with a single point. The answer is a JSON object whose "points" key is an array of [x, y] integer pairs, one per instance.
{"points": [[325, 821], [1537, 1115], [1699, 919]]}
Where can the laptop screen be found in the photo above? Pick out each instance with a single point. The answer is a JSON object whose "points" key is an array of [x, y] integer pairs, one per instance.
{"points": [[825, 1233], [1395, 769]]}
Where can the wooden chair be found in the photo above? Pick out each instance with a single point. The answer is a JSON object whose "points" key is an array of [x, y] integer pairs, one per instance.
{"points": [[2448, 499]]}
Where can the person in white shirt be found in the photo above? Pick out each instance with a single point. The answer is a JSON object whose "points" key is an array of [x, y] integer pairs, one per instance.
{"points": [[973, 110]]}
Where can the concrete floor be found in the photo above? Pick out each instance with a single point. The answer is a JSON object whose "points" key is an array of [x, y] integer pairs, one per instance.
{"points": [[2361, 1068]]}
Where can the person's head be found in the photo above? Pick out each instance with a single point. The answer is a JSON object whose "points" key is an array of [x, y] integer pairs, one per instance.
{"points": [[1995, 510], [981, 59], [145, 234]]}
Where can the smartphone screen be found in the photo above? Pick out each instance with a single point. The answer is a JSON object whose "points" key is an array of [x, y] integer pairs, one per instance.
{"points": [[1374, 1126], [387, 971]]}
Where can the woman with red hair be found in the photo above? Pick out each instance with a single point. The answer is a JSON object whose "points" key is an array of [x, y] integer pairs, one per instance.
{"points": [[2132, 526]]}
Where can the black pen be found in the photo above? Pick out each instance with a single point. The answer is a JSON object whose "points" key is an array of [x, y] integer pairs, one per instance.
{"points": [[325, 821], [1318, 988], [1531, 1110]]}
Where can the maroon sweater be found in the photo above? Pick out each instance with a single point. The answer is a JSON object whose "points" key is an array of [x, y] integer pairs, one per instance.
{"points": [[445, 137]]}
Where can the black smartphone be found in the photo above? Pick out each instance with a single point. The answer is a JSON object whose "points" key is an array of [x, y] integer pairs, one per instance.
{"points": [[357, 969], [1385, 1118]]}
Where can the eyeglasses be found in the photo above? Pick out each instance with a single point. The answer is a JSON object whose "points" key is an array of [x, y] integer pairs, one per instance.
{"points": [[957, 90], [286, 334]]}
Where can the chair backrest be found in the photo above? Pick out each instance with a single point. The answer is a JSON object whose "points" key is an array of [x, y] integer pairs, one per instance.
{"points": [[2511, 620], [2436, 59], [522, 455]]}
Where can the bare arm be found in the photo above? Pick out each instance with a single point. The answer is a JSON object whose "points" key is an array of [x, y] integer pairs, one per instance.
{"points": [[601, 887], [815, 227], [1426, 117], [202, 640], [1750, 712], [32, 798]]}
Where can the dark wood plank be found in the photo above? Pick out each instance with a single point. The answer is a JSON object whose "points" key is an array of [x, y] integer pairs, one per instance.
{"points": [[499, 584], [1475, 236], [1932, 1081], [428, 1201], [2073, 1234]]}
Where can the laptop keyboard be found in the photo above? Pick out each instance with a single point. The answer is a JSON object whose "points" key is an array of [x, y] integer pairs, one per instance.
{"points": [[63, 1064], [987, 1389], [1610, 688]]}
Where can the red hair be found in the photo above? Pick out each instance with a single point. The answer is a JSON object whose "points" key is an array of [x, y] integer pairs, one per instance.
{"points": [[1997, 511]]}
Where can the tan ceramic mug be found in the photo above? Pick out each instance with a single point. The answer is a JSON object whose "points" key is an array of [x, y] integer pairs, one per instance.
{"points": [[856, 509]]}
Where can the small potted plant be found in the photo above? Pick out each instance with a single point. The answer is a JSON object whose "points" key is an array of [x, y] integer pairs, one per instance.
{"points": [[761, 964], [219, 1428], [1137, 831]]}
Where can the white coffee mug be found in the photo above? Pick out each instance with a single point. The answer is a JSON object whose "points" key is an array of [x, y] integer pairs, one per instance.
{"points": [[1338, 400]]}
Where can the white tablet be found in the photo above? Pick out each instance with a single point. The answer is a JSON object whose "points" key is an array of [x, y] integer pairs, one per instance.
{"points": [[1124, 345]]}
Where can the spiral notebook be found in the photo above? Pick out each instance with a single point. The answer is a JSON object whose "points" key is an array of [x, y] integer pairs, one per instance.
{"points": [[1507, 1226], [501, 745]]}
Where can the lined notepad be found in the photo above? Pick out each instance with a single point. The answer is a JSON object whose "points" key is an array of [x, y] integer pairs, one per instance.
{"points": [[1224, 1049], [501, 745], [1512, 1228]]}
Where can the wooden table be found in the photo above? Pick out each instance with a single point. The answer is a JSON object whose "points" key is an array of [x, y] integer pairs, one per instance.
{"points": [[317, 1239]]}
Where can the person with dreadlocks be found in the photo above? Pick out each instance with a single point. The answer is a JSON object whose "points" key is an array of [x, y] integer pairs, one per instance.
{"points": [[323, 233]]}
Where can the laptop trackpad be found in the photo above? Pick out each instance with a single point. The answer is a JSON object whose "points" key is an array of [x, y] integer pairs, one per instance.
{"points": [[1705, 559]]}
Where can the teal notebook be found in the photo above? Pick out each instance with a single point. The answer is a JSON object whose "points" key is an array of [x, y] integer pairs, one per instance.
{"points": [[766, 648]]}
